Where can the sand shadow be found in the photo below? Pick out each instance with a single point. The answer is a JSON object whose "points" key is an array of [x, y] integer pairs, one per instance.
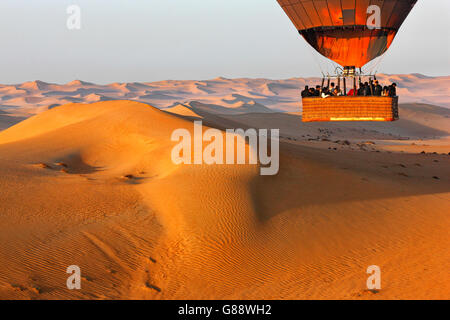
{"points": [[313, 177], [74, 164]]}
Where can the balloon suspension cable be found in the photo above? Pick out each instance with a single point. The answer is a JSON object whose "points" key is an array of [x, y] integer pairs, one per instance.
{"points": [[370, 66], [380, 62], [312, 52]]}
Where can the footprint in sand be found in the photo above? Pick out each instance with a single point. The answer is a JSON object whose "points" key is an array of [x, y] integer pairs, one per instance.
{"points": [[87, 278], [153, 287], [61, 164], [133, 179], [367, 292], [43, 166], [36, 289], [63, 167], [18, 287], [372, 291]]}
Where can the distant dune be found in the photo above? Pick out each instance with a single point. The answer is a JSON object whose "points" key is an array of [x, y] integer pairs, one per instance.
{"points": [[183, 110], [93, 185], [277, 95], [237, 108]]}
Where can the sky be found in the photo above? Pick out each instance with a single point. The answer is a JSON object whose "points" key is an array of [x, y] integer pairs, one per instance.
{"points": [[151, 40]]}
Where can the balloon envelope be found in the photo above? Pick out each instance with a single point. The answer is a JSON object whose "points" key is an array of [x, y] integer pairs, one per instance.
{"points": [[339, 29]]}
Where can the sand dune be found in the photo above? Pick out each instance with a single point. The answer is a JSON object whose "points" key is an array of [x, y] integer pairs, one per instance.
{"points": [[278, 95], [238, 108], [93, 185], [183, 110], [7, 120]]}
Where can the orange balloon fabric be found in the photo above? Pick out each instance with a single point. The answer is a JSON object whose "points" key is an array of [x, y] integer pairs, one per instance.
{"points": [[339, 29]]}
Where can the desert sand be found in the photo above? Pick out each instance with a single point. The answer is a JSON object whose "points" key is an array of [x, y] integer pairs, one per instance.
{"points": [[93, 185], [222, 95]]}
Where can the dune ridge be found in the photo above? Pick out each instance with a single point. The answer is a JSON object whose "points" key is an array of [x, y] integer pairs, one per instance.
{"points": [[248, 95]]}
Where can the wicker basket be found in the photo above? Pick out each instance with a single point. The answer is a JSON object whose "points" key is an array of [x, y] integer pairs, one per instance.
{"points": [[350, 109]]}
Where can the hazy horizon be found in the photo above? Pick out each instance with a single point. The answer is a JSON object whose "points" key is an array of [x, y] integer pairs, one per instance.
{"points": [[210, 79], [159, 40]]}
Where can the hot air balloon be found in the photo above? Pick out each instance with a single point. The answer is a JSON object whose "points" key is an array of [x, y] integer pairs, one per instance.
{"points": [[350, 33]]}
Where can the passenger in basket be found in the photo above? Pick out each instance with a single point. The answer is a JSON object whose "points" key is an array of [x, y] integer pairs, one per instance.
{"points": [[352, 93], [377, 89], [333, 88], [393, 90], [318, 91], [337, 91], [305, 93], [361, 89], [366, 90], [326, 93]]}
